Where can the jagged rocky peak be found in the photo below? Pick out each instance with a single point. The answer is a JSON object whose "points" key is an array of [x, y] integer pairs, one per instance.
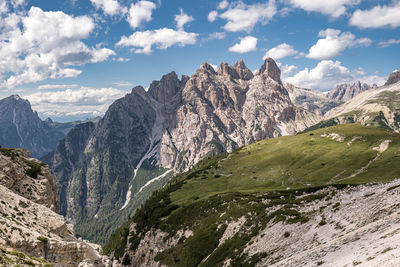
{"points": [[138, 90], [243, 71], [166, 88], [207, 68], [394, 77], [227, 70], [271, 69]]}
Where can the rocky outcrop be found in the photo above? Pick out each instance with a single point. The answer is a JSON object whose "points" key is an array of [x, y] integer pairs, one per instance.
{"points": [[146, 137], [345, 92], [394, 77], [343, 222], [28, 177], [29, 222], [21, 127]]}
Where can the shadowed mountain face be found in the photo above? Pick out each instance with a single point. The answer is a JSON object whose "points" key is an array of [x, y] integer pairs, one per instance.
{"points": [[21, 127], [106, 170]]}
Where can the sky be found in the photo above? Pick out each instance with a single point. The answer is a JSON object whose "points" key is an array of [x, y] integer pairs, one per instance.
{"points": [[72, 59]]}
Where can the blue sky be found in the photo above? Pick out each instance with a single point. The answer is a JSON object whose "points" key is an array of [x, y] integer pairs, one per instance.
{"points": [[71, 59]]}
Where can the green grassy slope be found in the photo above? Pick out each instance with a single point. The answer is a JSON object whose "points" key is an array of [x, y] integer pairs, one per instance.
{"points": [[298, 161], [269, 173]]}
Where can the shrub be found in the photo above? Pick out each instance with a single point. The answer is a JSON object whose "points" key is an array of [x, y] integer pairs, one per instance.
{"points": [[286, 234]]}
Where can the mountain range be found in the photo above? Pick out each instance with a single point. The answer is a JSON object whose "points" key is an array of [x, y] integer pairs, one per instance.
{"points": [[147, 137], [204, 132]]}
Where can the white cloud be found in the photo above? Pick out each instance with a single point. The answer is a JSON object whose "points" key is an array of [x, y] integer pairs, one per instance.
{"points": [[247, 44], [181, 19], [139, 13], [109, 7], [161, 38], [42, 45], [333, 8], [121, 59], [286, 70], [3, 7], [334, 42], [217, 35], [123, 84], [377, 17], [212, 16], [82, 101], [280, 51], [56, 86], [242, 17], [327, 74], [389, 43], [223, 4]]}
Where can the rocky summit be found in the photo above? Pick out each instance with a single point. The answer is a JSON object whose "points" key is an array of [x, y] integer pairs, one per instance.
{"points": [[21, 127], [107, 169], [31, 232]]}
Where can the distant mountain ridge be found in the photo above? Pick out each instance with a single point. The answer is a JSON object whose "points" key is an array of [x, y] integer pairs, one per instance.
{"points": [[21, 127], [345, 92], [311, 100], [111, 167], [379, 107]]}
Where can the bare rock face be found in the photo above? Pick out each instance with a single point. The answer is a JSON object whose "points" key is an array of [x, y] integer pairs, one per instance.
{"points": [[345, 92], [394, 77], [146, 137], [28, 177], [29, 222], [271, 69], [243, 71]]}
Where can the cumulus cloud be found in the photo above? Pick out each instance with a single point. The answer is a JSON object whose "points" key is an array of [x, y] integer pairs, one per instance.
{"points": [[223, 4], [139, 13], [56, 86], [181, 19], [243, 17], [388, 43], [247, 44], [82, 101], [333, 8], [280, 51], [109, 7], [334, 42], [143, 42], [286, 70], [42, 45], [377, 17], [327, 74], [212, 16]]}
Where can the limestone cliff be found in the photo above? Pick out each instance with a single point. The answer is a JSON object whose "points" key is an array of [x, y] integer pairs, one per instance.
{"points": [[29, 222]]}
